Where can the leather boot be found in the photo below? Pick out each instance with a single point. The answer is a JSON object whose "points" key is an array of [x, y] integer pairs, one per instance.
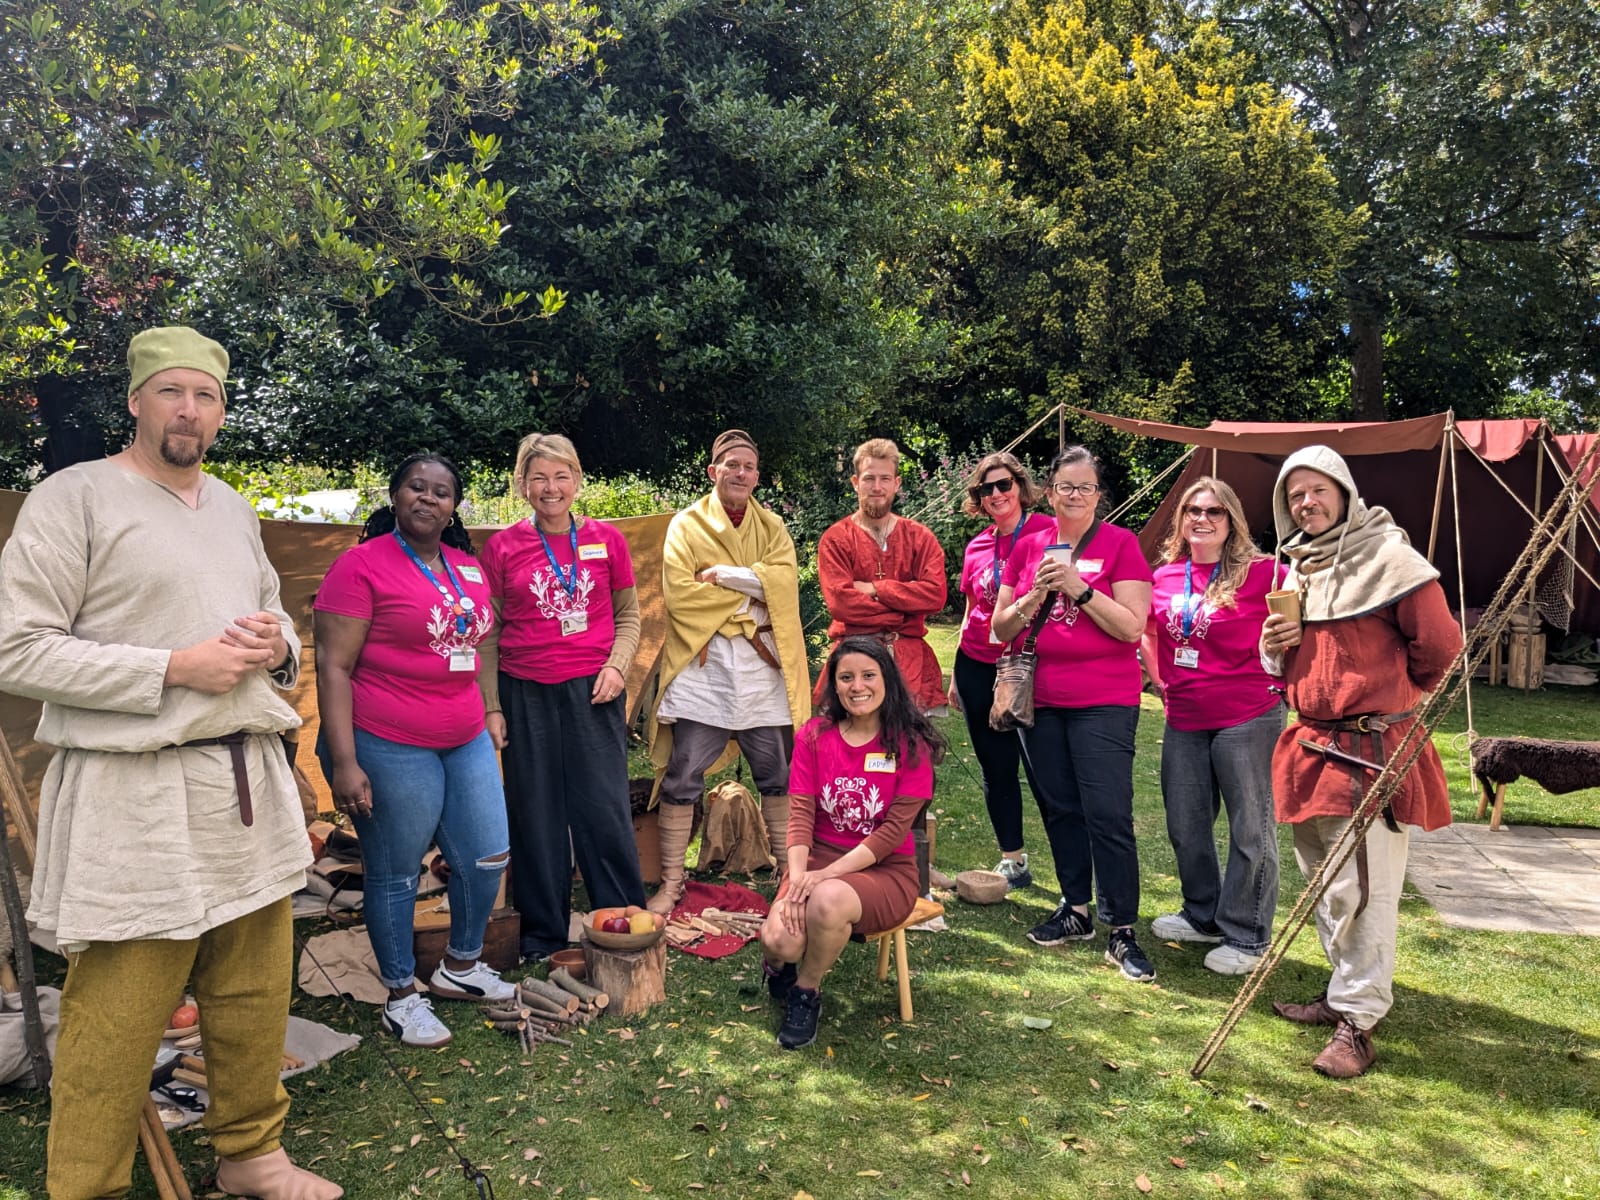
{"points": [[273, 1177], [1348, 1054], [775, 812], [1313, 1012], [676, 822]]}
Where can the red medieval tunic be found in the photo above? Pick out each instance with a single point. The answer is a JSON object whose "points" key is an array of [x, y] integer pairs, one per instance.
{"points": [[910, 579], [1379, 663]]}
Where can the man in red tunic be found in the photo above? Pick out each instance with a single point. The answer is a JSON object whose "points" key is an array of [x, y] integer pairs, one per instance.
{"points": [[883, 575], [1375, 634]]}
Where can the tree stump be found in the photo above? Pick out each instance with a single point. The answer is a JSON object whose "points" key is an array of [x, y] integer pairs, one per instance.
{"points": [[634, 979]]}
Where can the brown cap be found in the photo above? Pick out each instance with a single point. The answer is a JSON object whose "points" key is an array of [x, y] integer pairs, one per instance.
{"points": [[727, 440]]}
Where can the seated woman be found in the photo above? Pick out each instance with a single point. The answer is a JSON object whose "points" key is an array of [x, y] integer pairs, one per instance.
{"points": [[403, 745], [861, 773]]}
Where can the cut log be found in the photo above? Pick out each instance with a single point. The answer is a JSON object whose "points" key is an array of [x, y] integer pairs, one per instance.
{"points": [[567, 1001], [579, 989], [632, 979]]}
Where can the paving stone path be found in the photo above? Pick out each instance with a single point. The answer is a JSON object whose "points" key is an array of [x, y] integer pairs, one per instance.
{"points": [[1520, 878]]}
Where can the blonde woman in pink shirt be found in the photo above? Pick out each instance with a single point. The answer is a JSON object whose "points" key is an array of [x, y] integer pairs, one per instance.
{"points": [[1224, 714]]}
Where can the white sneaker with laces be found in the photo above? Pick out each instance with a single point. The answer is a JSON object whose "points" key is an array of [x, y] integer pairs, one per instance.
{"points": [[477, 982], [411, 1019], [1016, 872], [1175, 927], [1230, 960]]}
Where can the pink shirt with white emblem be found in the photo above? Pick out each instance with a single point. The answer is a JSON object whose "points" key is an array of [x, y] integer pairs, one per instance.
{"points": [[1213, 675], [982, 569], [856, 787]]}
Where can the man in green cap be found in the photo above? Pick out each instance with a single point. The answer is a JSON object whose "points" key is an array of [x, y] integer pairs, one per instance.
{"points": [[137, 603]]}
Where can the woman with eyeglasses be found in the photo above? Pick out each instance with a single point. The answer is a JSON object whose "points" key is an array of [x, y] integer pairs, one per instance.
{"points": [[1091, 584], [1001, 489], [1223, 719]]}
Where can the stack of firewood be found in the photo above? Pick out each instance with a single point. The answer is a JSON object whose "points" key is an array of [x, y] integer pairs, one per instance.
{"points": [[713, 922], [542, 1010]]}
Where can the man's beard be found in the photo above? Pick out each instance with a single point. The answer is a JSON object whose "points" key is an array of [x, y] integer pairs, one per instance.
{"points": [[181, 450], [876, 510]]}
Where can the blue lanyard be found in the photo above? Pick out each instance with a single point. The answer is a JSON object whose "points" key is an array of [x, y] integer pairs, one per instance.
{"points": [[568, 584], [460, 604], [1191, 602], [1015, 534]]}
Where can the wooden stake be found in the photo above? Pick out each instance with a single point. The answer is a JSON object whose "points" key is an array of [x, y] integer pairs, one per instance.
{"points": [[567, 1001], [594, 996]]}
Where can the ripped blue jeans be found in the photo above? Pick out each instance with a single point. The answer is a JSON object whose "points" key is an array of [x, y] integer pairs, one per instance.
{"points": [[421, 796]]}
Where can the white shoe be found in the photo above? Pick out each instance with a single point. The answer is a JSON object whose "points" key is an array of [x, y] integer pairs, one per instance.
{"points": [[477, 982], [411, 1019], [1016, 872], [1175, 927], [1230, 960]]}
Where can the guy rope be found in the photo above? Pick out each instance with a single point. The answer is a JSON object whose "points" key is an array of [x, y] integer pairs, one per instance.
{"points": [[1548, 534]]}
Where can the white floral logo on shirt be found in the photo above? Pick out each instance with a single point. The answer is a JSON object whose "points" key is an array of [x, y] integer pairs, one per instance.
{"points": [[553, 600], [1202, 621], [851, 805], [442, 629], [1064, 611]]}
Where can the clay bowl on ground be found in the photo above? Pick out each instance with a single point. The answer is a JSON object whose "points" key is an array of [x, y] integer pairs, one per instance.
{"points": [[570, 961]]}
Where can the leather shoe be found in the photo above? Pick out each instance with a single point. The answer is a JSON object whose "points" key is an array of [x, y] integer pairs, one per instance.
{"points": [[273, 1177], [1312, 1012], [1348, 1053]]}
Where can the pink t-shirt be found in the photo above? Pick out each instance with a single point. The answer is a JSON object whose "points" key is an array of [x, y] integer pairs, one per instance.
{"points": [[547, 634], [981, 572], [1213, 677], [1080, 664], [404, 689], [854, 786]]}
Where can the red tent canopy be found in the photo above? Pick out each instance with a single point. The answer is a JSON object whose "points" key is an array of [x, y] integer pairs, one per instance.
{"points": [[1402, 466]]}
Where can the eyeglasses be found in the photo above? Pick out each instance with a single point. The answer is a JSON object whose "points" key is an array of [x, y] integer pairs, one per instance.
{"points": [[984, 490], [1194, 512], [1074, 489]]}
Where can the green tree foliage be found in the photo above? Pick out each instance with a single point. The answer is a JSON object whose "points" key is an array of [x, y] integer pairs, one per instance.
{"points": [[1469, 131], [284, 149], [1171, 235]]}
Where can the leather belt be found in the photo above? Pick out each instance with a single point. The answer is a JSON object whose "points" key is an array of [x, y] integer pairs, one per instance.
{"points": [[887, 636], [241, 777], [1360, 723], [1368, 730]]}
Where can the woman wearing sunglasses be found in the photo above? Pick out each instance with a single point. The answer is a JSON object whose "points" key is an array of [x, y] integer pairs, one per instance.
{"points": [[1001, 489], [1079, 753], [1223, 718]]}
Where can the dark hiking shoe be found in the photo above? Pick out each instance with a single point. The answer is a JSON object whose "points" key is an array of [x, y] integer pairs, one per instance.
{"points": [[779, 979], [802, 1009], [1349, 1053], [1066, 924], [1122, 950]]}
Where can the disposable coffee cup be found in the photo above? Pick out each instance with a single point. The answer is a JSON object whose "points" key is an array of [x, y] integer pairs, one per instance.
{"points": [[1061, 552], [1285, 602]]}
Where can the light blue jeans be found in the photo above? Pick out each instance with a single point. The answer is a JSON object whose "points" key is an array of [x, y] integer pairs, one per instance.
{"points": [[1203, 771], [421, 796]]}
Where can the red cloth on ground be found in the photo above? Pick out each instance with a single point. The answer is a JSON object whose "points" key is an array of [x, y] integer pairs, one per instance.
{"points": [[729, 897]]}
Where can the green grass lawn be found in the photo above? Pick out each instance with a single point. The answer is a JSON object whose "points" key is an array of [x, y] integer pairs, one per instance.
{"points": [[1488, 1083]]}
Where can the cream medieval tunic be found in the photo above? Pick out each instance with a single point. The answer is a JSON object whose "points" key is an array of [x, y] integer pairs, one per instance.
{"points": [[104, 576]]}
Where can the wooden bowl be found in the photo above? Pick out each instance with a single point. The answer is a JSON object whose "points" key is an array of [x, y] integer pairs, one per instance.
{"points": [[570, 961], [982, 887], [625, 941]]}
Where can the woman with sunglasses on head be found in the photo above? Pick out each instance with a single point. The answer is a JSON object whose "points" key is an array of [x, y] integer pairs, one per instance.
{"points": [[1223, 719], [1001, 489], [861, 773], [1091, 585]]}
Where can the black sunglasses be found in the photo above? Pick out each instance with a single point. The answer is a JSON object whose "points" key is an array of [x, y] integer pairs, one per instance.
{"points": [[1195, 512], [984, 490]]}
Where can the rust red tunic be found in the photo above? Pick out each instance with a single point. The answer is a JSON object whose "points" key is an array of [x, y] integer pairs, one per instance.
{"points": [[1382, 662], [909, 576]]}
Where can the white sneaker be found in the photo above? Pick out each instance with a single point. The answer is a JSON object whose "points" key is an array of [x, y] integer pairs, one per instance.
{"points": [[1230, 960], [1016, 872], [478, 982], [1175, 927], [411, 1019]]}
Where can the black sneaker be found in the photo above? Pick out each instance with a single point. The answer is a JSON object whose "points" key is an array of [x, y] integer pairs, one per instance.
{"points": [[802, 1009], [779, 980], [1123, 951], [1066, 924]]}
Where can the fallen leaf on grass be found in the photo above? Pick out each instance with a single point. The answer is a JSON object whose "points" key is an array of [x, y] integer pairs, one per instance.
{"points": [[966, 1179], [1257, 1103], [924, 1096], [869, 1173], [1142, 1182], [1037, 1022], [530, 1154], [1180, 1163], [1094, 1083]]}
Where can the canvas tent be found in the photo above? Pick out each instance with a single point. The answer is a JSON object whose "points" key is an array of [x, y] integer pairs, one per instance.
{"points": [[1476, 484]]}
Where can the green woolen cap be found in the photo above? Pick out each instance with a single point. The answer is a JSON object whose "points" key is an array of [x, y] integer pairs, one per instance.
{"points": [[170, 346]]}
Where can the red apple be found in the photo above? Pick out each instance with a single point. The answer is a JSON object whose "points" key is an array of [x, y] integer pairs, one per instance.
{"points": [[617, 925], [184, 1017]]}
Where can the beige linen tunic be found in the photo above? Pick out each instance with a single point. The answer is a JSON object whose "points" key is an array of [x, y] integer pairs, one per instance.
{"points": [[104, 576]]}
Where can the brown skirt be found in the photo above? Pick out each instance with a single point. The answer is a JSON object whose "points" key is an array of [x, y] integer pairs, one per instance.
{"points": [[887, 890]]}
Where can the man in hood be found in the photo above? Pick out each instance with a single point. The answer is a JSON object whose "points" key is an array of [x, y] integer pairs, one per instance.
{"points": [[1374, 635]]}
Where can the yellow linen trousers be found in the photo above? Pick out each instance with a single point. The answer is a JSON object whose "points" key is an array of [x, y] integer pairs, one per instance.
{"points": [[114, 1007]]}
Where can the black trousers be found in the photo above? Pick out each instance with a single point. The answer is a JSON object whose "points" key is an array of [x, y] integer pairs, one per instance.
{"points": [[566, 767], [999, 754]]}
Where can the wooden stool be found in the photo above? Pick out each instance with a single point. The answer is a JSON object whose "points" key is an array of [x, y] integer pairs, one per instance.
{"points": [[634, 979], [925, 910]]}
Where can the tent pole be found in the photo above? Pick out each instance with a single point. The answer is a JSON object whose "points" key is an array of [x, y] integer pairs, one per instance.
{"points": [[1213, 462], [1538, 506], [1438, 487], [1061, 426], [1461, 588], [1587, 520]]}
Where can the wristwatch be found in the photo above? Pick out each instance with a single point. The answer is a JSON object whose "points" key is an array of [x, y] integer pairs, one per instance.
{"points": [[1084, 598]]}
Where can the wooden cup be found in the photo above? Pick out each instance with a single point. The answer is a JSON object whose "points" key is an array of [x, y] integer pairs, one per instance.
{"points": [[1285, 602]]}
